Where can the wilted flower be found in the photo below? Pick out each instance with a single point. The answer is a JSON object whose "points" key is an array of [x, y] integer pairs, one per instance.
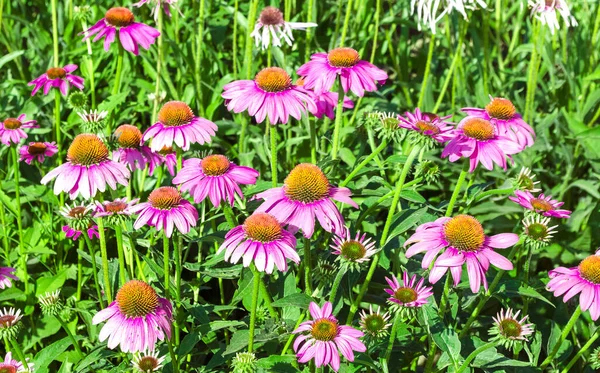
{"points": [[541, 204], [508, 329], [275, 28], [136, 320], [9, 322], [538, 231], [147, 362], [165, 210], [306, 194], [79, 220], [322, 339], [374, 324], [57, 77], [546, 11], [6, 273], [11, 129], [352, 252], [37, 151]]}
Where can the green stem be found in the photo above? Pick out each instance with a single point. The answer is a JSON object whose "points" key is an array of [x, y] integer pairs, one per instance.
{"points": [[531, 83], [57, 130], [17, 350], [198, 66], [474, 354], [427, 71], [349, 11], [313, 138], [450, 72], [336, 284], [79, 270], [493, 192], [22, 251], [234, 51], [103, 252], [459, 183], [121, 255], [71, 336], [292, 336], [362, 164], [376, 29], [563, 336], [117, 85], [249, 40], [308, 38], [4, 232], [394, 331], [178, 271], [255, 288], [444, 299], [229, 216], [174, 359], [268, 301], [396, 199], [338, 121], [159, 52], [273, 134], [307, 268], [581, 351], [90, 65], [94, 268], [166, 261], [55, 32]]}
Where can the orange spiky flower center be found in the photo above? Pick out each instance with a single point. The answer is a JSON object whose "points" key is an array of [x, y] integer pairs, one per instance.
{"points": [[478, 129], [501, 108], [271, 16], [78, 212], [128, 136], [137, 299], [86, 150], [215, 165], [325, 329], [343, 57], [539, 204], [427, 127], [12, 123], [262, 227], [115, 207], [165, 198], [353, 250], [6, 368], [273, 79], [36, 148], [166, 150], [119, 17], [589, 268], [406, 295], [306, 183], [175, 114], [56, 73], [464, 233]]}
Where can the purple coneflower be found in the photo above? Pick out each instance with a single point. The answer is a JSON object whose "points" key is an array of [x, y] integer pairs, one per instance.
{"points": [[546, 11], [502, 113], [164, 210], [352, 252], [479, 140], [131, 151], [356, 75], [538, 231], [428, 124], [374, 323], [11, 129], [136, 320], [9, 365], [271, 94], [306, 194], [178, 125], [326, 102], [79, 220], [509, 329], [409, 293], [115, 211], [322, 339], [166, 5], [131, 34], [37, 151], [147, 362], [464, 241], [525, 181], [57, 77], [275, 28], [88, 169], [541, 204], [215, 177], [262, 240], [166, 156], [6, 273]]}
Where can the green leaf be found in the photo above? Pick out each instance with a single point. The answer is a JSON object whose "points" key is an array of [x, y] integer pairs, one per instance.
{"points": [[188, 343], [49, 354], [300, 300], [9, 57], [404, 220], [238, 341]]}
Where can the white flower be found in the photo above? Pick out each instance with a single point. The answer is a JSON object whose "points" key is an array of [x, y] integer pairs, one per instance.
{"points": [[427, 10], [546, 11], [274, 28]]}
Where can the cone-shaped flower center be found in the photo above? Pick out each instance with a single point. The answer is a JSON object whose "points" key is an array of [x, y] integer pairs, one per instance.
{"points": [[86, 150], [175, 113], [539, 204], [115, 207], [306, 183], [137, 299], [374, 323], [78, 212], [12, 123], [271, 16], [343, 57], [128, 136], [324, 329], [273, 79], [510, 328], [590, 269], [353, 250], [165, 198], [36, 148], [537, 231], [262, 227], [525, 182], [478, 129], [56, 73], [6, 321], [148, 364], [464, 233], [406, 295], [6, 368], [215, 165], [427, 127], [119, 17], [501, 108], [300, 82], [166, 150], [390, 123]]}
